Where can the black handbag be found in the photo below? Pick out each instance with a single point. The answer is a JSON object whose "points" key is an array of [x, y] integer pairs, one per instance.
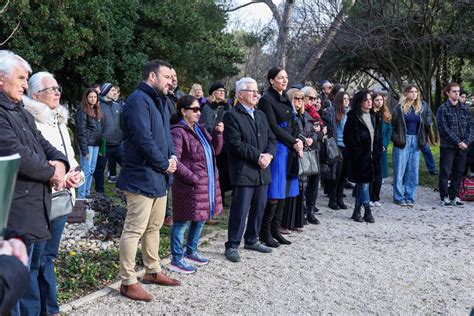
{"points": [[309, 164], [333, 153], [61, 204]]}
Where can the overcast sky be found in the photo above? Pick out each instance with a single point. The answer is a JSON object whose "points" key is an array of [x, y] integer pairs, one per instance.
{"points": [[249, 16]]}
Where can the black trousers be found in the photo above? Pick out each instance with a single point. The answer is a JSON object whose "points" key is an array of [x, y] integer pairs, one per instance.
{"points": [[374, 190], [336, 186], [452, 163], [111, 151], [249, 201], [312, 189]]}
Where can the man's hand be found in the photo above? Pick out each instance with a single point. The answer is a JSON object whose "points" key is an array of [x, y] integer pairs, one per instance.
{"points": [[57, 180], [172, 166], [264, 160], [462, 145], [309, 141], [14, 247], [220, 127]]}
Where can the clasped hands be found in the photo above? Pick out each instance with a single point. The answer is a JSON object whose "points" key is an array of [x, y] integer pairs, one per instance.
{"points": [[264, 160]]}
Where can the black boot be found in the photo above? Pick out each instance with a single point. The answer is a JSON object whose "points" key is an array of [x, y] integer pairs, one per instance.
{"points": [[333, 204], [341, 204], [356, 214], [368, 215], [276, 223], [310, 216], [265, 235]]}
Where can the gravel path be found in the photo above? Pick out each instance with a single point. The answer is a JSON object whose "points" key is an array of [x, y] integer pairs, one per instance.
{"points": [[411, 261]]}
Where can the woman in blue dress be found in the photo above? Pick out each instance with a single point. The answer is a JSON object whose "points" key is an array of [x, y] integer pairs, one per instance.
{"points": [[281, 118]]}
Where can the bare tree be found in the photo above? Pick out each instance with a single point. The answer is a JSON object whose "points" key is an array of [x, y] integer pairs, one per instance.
{"points": [[283, 20]]}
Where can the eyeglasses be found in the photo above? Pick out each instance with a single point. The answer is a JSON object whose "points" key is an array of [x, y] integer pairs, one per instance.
{"points": [[251, 91], [52, 90], [220, 90], [194, 109], [298, 98], [311, 98]]}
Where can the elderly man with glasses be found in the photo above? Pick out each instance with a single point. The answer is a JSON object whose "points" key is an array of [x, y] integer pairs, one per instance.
{"points": [[250, 146]]}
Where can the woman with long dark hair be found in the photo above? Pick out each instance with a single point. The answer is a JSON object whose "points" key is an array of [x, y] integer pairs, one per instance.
{"points": [[281, 117], [88, 134], [363, 147], [382, 114], [196, 192]]}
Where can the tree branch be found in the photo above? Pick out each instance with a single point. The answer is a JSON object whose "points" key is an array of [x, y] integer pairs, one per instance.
{"points": [[4, 7], [13, 32], [244, 5]]}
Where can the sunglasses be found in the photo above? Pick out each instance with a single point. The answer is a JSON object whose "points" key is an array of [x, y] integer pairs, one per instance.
{"points": [[298, 98], [311, 98], [194, 109]]}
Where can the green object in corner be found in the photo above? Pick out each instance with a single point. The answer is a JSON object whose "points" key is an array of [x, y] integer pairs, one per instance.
{"points": [[8, 169]]}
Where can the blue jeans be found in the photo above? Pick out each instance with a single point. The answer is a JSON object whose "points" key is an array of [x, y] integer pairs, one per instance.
{"points": [[406, 164], [30, 303], [429, 160], [362, 194], [177, 237], [41, 296], [88, 166]]}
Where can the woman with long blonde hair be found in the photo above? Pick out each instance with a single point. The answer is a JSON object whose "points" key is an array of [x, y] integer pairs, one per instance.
{"points": [[408, 136]]}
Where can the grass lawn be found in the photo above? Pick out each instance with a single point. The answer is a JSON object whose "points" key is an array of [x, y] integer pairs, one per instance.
{"points": [[426, 179]]}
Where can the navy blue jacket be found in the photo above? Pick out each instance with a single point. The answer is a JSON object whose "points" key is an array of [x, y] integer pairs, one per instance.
{"points": [[147, 143]]}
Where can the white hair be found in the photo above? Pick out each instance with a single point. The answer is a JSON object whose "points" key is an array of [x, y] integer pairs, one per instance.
{"points": [[35, 83], [308, 89], [242, 83], [9, 60]]}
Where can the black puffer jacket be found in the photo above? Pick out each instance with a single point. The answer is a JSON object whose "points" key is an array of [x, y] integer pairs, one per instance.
{"points": [[31, 203], [88, 131]]}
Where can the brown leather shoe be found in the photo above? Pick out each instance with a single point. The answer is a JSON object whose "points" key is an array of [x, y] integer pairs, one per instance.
{"points": [[135, 292], [160, 279], [168, 221]]}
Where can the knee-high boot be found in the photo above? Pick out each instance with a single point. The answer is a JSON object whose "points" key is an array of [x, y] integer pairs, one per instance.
{"points": [[265, 234], [276, 223], [356, 214]]}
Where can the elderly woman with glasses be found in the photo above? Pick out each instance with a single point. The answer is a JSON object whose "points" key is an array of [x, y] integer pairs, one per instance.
{"points": [[196, 190], [51, 119]]}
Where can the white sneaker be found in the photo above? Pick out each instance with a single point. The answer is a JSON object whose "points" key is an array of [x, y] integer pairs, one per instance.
{"points": [[445, 202], [377, 204], [371, 204], [457, 202]]}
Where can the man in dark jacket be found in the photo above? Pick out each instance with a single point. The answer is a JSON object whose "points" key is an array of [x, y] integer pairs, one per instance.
{"points": [[148, 164], [41, 164], [250, 145], [455, 133], [111, 131]]}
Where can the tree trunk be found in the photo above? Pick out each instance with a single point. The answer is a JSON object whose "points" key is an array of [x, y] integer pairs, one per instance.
{"points": [[284, 26], [321, 47]]}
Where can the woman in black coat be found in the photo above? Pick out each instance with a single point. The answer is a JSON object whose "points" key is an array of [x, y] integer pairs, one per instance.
{"points": [[281, 117], [362, 137]]}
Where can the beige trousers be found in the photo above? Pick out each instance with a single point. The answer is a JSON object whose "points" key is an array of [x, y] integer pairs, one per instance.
{"points": [[144, 219]]}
